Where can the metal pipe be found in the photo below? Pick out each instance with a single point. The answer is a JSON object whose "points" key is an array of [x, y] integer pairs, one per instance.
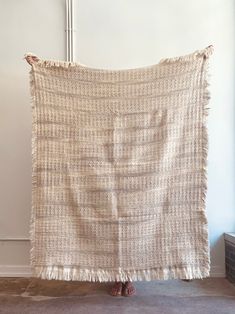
{"points": [[67, 30], [70, 30]]}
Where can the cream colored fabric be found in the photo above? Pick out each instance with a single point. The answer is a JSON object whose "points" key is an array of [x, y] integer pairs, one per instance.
{"points": [[119, 162]]}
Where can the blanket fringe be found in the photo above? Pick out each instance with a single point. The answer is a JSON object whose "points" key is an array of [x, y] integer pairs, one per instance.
{"points": [[34, 160], [206, 97], [78, 274], [206, 52]]}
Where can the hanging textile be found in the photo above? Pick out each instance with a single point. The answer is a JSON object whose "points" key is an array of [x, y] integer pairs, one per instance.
{"points": [[119, 170]]}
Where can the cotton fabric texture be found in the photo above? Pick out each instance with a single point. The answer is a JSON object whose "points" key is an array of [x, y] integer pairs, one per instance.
{"points": [[119, 170]]}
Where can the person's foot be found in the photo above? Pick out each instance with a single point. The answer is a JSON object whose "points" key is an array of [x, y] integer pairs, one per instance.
{"points": [[116, 290], [187, 280], [128, 289]]}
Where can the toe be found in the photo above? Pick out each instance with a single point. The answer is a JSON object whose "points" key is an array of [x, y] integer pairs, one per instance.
{"points": [[129, 289], [116, 289]]}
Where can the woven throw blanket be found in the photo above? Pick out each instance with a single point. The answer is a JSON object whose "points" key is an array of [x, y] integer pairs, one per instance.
{"points": [[119, 170]]}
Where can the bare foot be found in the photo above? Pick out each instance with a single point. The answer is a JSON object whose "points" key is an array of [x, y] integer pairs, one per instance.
{"points": [[128, 289], [116, 290]]}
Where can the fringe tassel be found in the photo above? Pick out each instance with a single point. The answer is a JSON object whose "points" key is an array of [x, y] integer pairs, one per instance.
{"points": [[206, 52], [93, 275], [66, 64], [206, 97], [34, 158]]}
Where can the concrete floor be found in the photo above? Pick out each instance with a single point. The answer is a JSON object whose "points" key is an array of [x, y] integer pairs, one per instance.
{"points": [[35, 296]]}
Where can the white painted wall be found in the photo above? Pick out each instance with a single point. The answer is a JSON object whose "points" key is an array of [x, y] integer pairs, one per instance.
{"points": [[112, 34]]}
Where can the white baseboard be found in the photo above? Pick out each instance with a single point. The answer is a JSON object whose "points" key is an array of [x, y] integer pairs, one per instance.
{"points": [[25, 271], [15, 271], [217, 271]]}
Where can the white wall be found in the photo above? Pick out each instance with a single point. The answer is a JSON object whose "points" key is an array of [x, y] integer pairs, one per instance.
{"points": [[112, 34]]}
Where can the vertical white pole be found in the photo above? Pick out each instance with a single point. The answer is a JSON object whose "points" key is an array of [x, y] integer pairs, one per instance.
{"points": [[67, 31], [70, 30]]}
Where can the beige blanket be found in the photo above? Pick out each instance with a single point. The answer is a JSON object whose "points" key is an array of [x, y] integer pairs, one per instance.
{"points": [[119, 170]]}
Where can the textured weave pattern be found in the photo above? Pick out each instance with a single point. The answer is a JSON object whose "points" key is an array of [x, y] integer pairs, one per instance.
{"points": [[119, 177]]}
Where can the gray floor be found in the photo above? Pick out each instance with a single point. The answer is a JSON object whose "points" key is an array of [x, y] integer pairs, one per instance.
{"points": [[30, 295]]}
